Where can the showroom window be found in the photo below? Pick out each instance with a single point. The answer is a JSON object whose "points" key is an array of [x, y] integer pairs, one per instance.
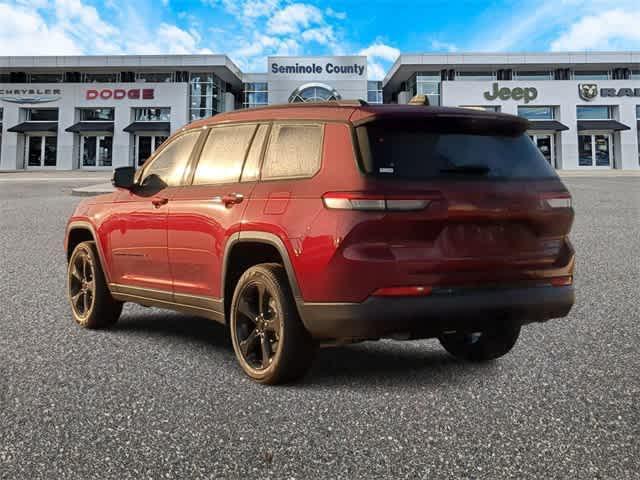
{"points": [[97, 114], [426, 83], [46, 77], [635, 75], [42, 115], [477, 75], [537, 113], [374, 92], [206, 95], [152, 114], [534, 75], [101, 77], [255, 94], [591, 74], [595, 112], [155, 77]]}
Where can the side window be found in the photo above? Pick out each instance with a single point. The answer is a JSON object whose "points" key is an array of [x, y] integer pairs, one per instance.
{"points": [[168, 167], [293, 151], [223, 154], [251, 171]]}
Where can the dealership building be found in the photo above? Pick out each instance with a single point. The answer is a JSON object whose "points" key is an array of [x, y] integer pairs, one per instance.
{"points": [[101, 112]]}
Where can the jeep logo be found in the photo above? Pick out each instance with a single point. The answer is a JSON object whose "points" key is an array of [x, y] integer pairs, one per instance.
{"points": [[517, 93]]}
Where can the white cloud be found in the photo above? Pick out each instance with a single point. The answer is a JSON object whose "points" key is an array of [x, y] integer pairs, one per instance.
{"points": [[379, 56], [293, 18], [25, 32], [321, 35], [613, 29], [380, 50], [443, 46], [332, 13]]}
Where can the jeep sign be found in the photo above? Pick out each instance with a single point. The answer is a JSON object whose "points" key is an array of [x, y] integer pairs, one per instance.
{"points": [[517, 93]]}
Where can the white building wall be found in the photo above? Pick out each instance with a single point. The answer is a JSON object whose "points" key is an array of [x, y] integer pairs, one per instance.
{"points": [[564, 95], [74, 96]]}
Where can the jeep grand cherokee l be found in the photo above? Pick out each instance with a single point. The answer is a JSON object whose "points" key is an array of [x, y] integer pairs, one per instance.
{"points": [[303, 225]]}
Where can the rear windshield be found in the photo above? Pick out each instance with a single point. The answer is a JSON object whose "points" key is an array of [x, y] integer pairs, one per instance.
{"points": [[416, 152]]}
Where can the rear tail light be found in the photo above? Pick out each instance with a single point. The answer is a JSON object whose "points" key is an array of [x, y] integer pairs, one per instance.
{"points": [[562, 281], [559, 200], [403, 292], [367, 202]]}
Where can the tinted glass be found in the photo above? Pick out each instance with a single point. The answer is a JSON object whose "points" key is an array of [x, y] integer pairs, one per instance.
{"points": [[416, 153], [96, 114], [169, 165], [251, 171], [594, 112], [223, 154], [294, 151], [536, 113], [43, 114]]}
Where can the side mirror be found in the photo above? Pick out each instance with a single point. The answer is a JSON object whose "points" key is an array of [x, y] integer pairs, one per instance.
{"points": [[123, 177]]}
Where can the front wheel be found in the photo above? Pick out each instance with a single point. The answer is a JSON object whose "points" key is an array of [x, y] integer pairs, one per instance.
{"points": [[92, 305], [487, 344], [269, 339]]}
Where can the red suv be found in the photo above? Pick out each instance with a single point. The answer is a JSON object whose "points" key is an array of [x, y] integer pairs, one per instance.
{"points": [[303, 225]]}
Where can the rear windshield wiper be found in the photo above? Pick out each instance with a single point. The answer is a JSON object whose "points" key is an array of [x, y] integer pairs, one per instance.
{"points": [[467, 169]]}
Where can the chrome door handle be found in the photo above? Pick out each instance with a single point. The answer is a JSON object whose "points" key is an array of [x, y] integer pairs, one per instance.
{"points": [[229, 199]]}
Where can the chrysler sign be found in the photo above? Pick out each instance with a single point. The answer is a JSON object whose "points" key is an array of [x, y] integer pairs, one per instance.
{"points": [[30, 95]]}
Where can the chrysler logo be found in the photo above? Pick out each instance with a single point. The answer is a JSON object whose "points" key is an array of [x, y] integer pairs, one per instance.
{"points": [[30, 95], [588, 91]]}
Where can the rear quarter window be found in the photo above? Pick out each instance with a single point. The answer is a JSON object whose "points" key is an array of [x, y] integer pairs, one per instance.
{"points": [[294, 151]]}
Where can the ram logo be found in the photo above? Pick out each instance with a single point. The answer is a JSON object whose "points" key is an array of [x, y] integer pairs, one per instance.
{"points": [[588, 91]]}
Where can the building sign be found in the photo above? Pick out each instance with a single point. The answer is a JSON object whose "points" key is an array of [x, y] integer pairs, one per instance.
{"points": [[317, 69], [517, 93], [120, 94], [589, 91], [30, 95]]}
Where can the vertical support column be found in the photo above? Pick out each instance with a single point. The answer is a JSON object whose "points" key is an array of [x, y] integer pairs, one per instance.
{"points": [[568, 138], [627, 155]]}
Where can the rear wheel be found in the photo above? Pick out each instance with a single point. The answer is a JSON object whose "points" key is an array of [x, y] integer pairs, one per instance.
{"points": [[488, 344], [92, 305], [269, 339]]}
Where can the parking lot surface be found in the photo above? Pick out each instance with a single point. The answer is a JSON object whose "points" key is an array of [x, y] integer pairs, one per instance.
{"points": [[160, 395]]}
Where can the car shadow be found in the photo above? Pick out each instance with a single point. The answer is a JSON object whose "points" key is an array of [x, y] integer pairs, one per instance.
{"points": [[383, 363]]}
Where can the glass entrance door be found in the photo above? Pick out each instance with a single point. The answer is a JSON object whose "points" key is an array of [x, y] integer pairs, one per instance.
{"points": [[41, 151], [96, 151], [545, 143], [595, 150], [146, 145]]}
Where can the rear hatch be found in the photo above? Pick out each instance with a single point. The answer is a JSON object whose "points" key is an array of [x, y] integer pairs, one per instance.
{"points": [[470, 195]]}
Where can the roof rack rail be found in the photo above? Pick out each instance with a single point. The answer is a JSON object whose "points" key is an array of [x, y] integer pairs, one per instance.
{"points": [[328, 103]]}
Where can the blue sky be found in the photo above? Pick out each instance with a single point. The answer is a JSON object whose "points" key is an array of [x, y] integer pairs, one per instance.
{"points": [[249, 31]]}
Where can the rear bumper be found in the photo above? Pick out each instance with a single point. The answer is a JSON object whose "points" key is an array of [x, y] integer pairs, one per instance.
{"points": [[423, 317]]}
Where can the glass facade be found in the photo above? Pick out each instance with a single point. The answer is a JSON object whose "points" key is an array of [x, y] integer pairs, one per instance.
{"points": [[46, 77], [313, 93], [534, 75], [101, 77], [155, 77], [97, 114], [594, 112], [478, 75], [591, 74], [42, 114], [374, 92], [426, 83], [152, 114], [206, 95], [255, 94], [537, 113]]}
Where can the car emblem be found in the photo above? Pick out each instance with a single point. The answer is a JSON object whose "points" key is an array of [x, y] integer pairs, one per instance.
{"points": [[588, 91]]}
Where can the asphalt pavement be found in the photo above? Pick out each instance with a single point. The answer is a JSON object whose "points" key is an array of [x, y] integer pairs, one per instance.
{"points": [[160, 395]]}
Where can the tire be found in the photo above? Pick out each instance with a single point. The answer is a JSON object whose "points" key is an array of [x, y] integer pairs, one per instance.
{"points": [[92, 305], [269, 340], [489, 344]]}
